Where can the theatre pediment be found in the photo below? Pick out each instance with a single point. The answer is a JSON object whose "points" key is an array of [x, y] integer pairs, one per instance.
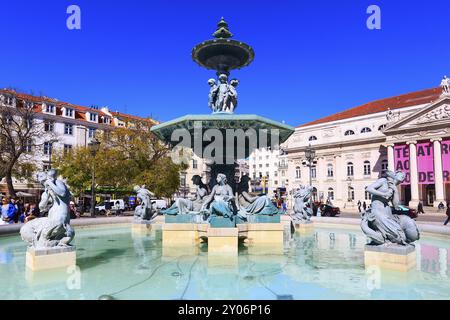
{"points": [[432, 115]]}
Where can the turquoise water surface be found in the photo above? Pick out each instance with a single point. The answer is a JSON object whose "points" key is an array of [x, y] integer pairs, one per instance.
{"points": [[327, 264]]}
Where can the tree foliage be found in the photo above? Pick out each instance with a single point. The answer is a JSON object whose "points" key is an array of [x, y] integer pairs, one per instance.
{"points": [[126, 157]]}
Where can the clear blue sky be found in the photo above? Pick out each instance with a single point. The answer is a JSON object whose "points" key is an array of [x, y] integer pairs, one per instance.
{"points": [[313, 58]]}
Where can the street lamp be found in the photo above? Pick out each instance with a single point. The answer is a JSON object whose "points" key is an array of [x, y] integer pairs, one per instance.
{"points": [[310, 155], [94, 146], [50, 152]]}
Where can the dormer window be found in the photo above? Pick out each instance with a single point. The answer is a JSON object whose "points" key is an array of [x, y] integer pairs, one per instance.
{"points": [[28, 104], [50, 108], [68, 112], [106, 120], [312, 138], [349, 133], [93, 117], [366, 130], [7, 100]]}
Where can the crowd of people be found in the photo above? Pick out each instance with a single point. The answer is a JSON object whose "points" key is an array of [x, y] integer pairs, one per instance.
{"points": [[14, 210]]}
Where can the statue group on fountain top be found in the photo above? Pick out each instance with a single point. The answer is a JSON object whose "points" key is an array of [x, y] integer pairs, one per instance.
{"points": [[223, 96], [145, 210], [445, 85], [302, 207], [384, 223], [222, 201], [53, 230]]}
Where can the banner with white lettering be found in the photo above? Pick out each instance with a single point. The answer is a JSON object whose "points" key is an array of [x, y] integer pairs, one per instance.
{"points": [[446, 159], [425, 163], [401, 161]]}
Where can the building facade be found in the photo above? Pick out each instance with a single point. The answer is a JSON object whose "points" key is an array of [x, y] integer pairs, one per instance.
{"points": [[410, 132], [64, 125]]}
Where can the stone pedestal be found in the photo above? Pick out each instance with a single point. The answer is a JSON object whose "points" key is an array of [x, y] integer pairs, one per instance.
{"points": [[50, 258], [394, 257], [179, 234], [305, 228], [265, 234], [222, 241]]}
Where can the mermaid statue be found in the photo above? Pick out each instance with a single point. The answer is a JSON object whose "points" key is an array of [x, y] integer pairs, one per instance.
{"points": [[250, 205], [193, 205], [380, 224], [221, 200], [302, 211]]}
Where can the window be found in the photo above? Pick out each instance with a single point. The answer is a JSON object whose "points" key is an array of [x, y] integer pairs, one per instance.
{"points": [[254, 175], [350, 169], [29, 146], [365, 130], [367, 170], [283, 173], [68, 112], [49, 108], [48, 147], [194, 164], [260, 165], [351, 194], [384, 165], [93, 117], [275, 174], [183, 180], [260, 158], [67, 148], [312, 138], [92, 132], [313, 172], [267, 174], [298, 173], [267, 165], [9, 119], [254, 166], [367, 195], [49, 126], [68, 128], [349, 133], [331, 193], [382, 127], [46, 167], [106, 120], [330, 171], [276, 182]]}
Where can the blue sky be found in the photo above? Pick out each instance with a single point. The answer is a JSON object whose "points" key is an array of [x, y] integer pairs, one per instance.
{"points": [[313, 58]]}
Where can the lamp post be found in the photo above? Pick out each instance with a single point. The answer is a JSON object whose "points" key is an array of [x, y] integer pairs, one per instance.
{"points": [[310, 155], [50, 152], [94, 146]]}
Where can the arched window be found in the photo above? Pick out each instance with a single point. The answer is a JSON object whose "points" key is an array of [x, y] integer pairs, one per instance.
{"points": [[367, 169], [330, 171], [349, 133], [312, 138], [351, 194], [298, 173], [313, 172], [382, 127], [350, 171], [365, 130], [384, 165], [330, 193]]}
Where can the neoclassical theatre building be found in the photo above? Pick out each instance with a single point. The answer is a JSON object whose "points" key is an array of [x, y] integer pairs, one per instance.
{"points": [[409, 132]]}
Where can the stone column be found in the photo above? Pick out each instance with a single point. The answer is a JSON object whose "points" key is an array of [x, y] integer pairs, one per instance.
{"points": [[413, 174], [438, 172], [338, 176], [390, 154]]}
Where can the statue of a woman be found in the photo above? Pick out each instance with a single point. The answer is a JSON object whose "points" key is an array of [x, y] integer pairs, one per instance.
{"points": [[249, 205], [379, 224], [185, 206], [145, 210], [221, 199]]}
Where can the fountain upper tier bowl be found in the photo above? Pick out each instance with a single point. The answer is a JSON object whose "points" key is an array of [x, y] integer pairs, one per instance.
{"points": [[203, 130]]}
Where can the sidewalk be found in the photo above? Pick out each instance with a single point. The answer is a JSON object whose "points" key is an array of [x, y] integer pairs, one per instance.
{"points": [[427, 217]]}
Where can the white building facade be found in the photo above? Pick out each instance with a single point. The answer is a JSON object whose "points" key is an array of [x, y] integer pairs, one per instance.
{"points": [[355, 146]]}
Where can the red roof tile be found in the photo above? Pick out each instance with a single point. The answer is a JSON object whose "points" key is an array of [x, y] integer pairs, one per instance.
{"points": [[397, 102]]}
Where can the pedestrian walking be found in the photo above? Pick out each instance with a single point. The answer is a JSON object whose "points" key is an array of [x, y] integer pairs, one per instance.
{"points": [[364, 206], [359, 206], [448, 214], [420, 208]]}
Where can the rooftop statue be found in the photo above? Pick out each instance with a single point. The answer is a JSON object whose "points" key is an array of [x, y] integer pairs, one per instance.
{"points": [[53, 230], [144, 211], [302, 211], [379, 223], [249, 205], [445, 85], [221, 200], [193, 205]]}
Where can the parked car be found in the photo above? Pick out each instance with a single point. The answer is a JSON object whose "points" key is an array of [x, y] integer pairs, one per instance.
{"points": [[326, 210], [412, 213], [159, 204], [116, 206]]}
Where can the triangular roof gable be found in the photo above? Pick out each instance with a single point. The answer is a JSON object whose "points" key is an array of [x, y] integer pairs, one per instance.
{"points": [[436, 113]]}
